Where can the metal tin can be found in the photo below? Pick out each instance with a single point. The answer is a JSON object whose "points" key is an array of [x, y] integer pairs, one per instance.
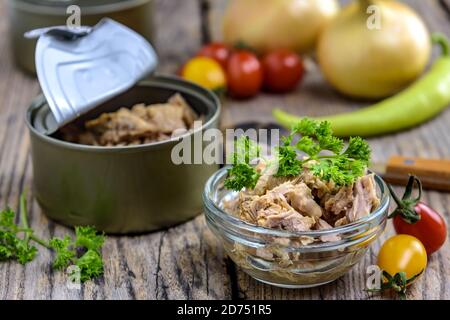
{"points": [[121, 189], [25, 15]]}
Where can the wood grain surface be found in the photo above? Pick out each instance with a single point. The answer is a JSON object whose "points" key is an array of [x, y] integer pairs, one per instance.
{"points": [[187, 262]]}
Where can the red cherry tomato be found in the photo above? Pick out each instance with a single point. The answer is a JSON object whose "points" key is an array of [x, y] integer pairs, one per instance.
{"points": [[283, 70], [431, 229], [418, 219], [244, 74], [217, 51]]}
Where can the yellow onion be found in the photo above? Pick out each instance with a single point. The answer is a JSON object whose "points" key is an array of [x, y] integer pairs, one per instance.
{"points": [[266, 25], [369, 58]]}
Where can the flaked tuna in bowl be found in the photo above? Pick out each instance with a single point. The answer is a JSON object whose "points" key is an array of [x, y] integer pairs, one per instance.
{"points": [[298, 222]]}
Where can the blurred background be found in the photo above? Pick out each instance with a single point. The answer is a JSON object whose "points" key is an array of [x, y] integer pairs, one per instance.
{"points": [[312, 58]]}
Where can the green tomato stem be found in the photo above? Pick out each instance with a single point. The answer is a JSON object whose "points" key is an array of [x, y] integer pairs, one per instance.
{"points": [[406, 205], [394, 196], [441, 40]]}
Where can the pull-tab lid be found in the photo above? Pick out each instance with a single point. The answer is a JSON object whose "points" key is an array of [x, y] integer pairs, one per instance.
{"points": [[78, 73]]}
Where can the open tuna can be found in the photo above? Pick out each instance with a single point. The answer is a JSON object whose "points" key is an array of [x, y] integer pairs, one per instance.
{"points": [[128, 187], [120, 189]]}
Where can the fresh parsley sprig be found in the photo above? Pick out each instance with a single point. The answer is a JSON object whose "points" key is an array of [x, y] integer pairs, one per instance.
{"points": [[89, 243], [325, 155], [338, 165], [242, 174], [14, 239], [288, 162], [84, 251]]}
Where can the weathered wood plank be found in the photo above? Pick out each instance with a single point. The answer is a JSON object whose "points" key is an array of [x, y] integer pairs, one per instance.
{"points": [[178, 34], [445, 4]]}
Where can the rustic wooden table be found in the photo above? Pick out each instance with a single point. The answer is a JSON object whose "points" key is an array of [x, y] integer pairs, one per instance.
{"points": [[186, 262]]}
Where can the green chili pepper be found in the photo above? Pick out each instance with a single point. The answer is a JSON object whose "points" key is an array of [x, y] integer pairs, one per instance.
{"points": [[419, 102]]}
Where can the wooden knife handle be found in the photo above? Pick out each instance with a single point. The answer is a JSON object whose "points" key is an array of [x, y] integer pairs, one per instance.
{"points": [[434, 173]]}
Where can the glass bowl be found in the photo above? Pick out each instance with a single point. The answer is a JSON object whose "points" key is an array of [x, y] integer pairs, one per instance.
{"points": [[291, 259]]}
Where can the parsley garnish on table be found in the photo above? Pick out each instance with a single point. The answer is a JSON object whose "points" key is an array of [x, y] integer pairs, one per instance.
{"points": [[16, 244], [323, 153]]}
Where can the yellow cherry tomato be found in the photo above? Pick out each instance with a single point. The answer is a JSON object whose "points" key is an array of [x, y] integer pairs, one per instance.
{"points": [[205, 72], [403, 253]]}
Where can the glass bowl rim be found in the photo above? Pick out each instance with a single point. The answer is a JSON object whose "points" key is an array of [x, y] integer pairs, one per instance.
{"points": [[223, 215]]}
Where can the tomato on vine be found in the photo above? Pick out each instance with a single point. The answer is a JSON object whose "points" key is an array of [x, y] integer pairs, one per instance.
{"points": [[283, 70], [418, 219], [244, 73], [205, 72], [217, 51], [402, 258]]}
